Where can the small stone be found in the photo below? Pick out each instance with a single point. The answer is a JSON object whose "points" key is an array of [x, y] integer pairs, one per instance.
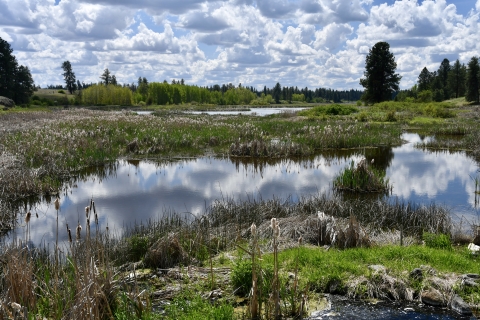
{"points": [[409, 310], [433, 297], [460, 306]]}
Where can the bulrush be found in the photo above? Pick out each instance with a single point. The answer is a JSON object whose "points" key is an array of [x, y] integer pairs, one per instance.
{"points": [[69, 235], [87, 212], [79, 229], [27, 217], [57, 204]]}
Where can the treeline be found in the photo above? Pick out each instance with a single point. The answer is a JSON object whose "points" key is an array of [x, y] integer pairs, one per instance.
{"points": [[449, 81], [177, 92]]}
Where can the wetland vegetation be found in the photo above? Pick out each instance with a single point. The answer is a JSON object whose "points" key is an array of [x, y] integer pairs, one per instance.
{"points": [[180, 257]]}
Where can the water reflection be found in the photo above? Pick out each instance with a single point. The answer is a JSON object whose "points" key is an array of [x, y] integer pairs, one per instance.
{"points": [[130, 192]]}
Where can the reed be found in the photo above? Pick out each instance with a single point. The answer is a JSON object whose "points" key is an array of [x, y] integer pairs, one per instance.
{"points": [[361, 178]]}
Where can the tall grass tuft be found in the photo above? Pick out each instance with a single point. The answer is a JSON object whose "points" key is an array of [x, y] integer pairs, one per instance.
{"points": [[361, 178]]}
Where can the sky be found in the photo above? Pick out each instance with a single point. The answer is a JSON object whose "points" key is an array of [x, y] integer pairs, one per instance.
{"points": [[304, 43]]}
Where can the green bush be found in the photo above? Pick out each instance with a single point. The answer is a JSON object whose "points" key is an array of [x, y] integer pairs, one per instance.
{"points": [[332, 110], [390, 117], [137, 247], [241, 277], [437, 241], [61, 91]]}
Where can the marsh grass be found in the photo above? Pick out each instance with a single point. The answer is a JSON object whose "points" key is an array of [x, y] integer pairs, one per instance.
{"points": [[361, 178], [46, 148]]}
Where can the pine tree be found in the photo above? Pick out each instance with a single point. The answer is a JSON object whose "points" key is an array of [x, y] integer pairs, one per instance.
{"points": [[456, 79], [380, 78], [69, 76], [473, 82]]}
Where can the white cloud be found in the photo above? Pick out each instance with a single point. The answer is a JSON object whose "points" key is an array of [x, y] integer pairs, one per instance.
{"points": [[296, 42]]}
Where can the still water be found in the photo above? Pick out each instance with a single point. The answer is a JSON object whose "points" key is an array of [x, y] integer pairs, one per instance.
{"points": [[131, 192]]}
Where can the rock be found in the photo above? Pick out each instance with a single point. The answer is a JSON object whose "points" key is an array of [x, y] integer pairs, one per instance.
{"points": [[417, 274], [8, 103], [460, 306], [433, 297], [474, 249]]}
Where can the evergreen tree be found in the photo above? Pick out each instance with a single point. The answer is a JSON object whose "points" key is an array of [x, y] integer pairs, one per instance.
{"points": [[380, 78], [69, 76], [456, 79], [16, 82], [425, 80], [473, 81], [442, 75], [106, 77], [277, 92]]}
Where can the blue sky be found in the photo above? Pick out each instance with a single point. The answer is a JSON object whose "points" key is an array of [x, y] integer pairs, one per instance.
{"points": [[314, 43]]}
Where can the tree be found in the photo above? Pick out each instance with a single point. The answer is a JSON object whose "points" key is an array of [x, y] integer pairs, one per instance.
{"points": [[473, 81], [277, 91], [24, 85], [380, 78], [442, 75], [456, 79], [106, 77], [113, 80], [69, 76], [16, 82], [425, 80]]}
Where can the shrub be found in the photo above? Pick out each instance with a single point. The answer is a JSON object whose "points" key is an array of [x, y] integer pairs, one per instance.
{"points": [[333, 110], [61, 91], [137, 247], [437, 241], [241, 277], [390, 117]]}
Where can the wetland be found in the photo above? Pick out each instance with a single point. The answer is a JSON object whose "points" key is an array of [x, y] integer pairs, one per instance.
{"points": [[193, 184]]}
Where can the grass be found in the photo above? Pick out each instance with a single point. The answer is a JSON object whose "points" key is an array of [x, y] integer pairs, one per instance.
{"points": [[49, 146], [361, 178]]}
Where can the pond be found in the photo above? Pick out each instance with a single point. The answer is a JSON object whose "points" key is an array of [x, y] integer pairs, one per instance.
{"points": [[131, 192], [253, 111]]}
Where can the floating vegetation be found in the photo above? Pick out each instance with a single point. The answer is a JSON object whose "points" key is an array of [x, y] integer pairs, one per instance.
{"points": [[361, 178]]}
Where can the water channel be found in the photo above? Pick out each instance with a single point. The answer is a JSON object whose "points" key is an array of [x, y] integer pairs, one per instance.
{"points": [[131, 192]]}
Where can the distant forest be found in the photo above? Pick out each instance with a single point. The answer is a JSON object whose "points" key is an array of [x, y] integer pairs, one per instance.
{"points": [[226, 94]]}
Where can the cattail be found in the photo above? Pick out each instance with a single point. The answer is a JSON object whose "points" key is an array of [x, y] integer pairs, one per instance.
{"points": [[79, 228], [277, 230], [96, 217], [57, 204], [16, 306], [273, 223], [87, 211], [36, 213], [253, 229], [300, 241], [27, 217], [93, 205], [321, 215], [69, 235], [373, 160]]}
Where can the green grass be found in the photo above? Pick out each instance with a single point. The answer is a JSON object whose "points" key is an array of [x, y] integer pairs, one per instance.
{"points": [[361, 178], [329, 110], [319, 267]]}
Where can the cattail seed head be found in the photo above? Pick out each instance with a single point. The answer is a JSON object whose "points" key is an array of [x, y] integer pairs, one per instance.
{"points": [[69, 235], [273, 223], [300, 241], [57, 204], [87, 211], [79, 229], [28, 216], [277, 230], [253, 229]]}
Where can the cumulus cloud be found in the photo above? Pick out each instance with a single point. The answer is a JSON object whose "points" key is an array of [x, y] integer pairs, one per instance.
{"points": [[310, 43]]}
